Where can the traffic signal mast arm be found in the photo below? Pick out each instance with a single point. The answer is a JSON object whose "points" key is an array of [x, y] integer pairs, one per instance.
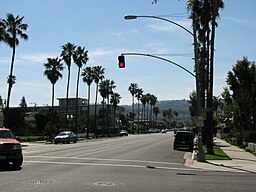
{"points": [[157, 57]]}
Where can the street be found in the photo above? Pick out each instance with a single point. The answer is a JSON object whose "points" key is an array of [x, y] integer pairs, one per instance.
{"points": [[133, 163]]}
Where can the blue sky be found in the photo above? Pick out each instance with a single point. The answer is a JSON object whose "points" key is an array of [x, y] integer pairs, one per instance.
{"points": [[99, 26]]}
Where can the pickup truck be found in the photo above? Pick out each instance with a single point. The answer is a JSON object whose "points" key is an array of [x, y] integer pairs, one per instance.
{"points": [[10, 148]]}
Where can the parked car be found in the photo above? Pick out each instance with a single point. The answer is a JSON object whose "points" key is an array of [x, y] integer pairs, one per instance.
{"points": [[151, 130], [10, 148], [184, 140], [65, 137], [164, 131], [123, 133]]}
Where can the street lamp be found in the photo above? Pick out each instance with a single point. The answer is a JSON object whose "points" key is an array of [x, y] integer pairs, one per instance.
{"points": [[200, 155], [69, 117]]}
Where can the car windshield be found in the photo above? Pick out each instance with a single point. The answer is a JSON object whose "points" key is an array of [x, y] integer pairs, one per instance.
{"points": [[184, 135], [6, 134], [63, 133]]}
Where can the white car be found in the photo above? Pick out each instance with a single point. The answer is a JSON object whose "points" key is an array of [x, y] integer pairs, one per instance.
{"points": [[65, 137]]}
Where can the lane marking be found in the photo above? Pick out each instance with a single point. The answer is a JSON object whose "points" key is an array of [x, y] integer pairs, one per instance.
{"points": [[101, 159], [108, 165]]}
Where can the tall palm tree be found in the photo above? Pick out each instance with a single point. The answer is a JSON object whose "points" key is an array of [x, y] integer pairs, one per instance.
{"points": [[176, 114], [143, 100], [204, 14], [138, 95], [152, 103], [106, 89], [147, 97], [103, 86], [98, 75], [80, 58], [132, 88], [110, 87], [115, 100], [103, 92], [53, 69], [67, 53], [87, 78], [14, 28], [156, 112]]}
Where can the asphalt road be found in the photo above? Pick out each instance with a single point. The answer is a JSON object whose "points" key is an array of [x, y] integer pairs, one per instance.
{"points": [[133, 163]]}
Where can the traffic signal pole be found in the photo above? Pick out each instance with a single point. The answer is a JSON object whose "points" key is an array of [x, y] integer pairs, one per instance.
{"points": [[161, 58]]}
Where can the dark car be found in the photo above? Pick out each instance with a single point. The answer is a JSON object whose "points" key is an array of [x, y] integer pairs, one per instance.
{"points": [[123, 133], [10, 148], [184, 140], [65, 137]]}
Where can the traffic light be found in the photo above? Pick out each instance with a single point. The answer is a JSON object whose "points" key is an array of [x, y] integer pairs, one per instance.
{"points": [[121, 62]]}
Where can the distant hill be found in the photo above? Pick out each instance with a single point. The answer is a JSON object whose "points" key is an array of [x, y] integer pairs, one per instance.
{"points": [[181, 106]]}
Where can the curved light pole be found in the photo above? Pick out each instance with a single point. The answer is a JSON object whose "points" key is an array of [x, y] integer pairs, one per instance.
{"points": [[200, 155], [130, 17]]}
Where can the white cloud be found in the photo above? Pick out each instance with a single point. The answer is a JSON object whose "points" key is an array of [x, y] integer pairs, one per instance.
{"points": [[160, 26], [38, 57]]}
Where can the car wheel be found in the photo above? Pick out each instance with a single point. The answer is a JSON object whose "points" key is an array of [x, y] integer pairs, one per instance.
{"points": [[75, 140], [17, 163], [55, 142]]}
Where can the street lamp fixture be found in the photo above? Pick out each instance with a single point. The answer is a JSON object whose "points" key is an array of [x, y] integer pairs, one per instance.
{"points": [[129, 17]]}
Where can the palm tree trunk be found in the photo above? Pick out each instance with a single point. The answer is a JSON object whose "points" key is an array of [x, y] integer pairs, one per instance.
{"points": [[77, 87], [108, 115], [10, 76], [66, 117], [138, 115], [95, 111], [88, 113], [132, 114], [50, 132], [210, 93]]}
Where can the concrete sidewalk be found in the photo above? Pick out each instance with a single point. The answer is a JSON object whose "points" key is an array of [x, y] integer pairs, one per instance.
{"points": [[242, 161]]}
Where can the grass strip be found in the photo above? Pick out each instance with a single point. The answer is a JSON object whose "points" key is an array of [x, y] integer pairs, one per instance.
{"points": [[219, 154]]}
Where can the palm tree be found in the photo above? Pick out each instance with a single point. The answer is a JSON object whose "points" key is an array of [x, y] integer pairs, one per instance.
{"points": [[115, 100], [204, 14], [106, 89], [110, 87], [66, 55], [14, 28], [138, 95], [156, 111], [147, 97], [143, 100], [152, 103], [103, 92], [98, 75], [2, 30], [132, 88], [176, 114], [87, 78], [52, 71], [80, 58]]}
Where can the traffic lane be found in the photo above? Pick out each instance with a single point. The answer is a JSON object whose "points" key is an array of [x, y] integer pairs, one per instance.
{"points": [[144, 148], [69, 177]]}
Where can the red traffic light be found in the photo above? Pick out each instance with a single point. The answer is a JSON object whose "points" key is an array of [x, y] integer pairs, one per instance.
{"points": [[121, 62]]}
